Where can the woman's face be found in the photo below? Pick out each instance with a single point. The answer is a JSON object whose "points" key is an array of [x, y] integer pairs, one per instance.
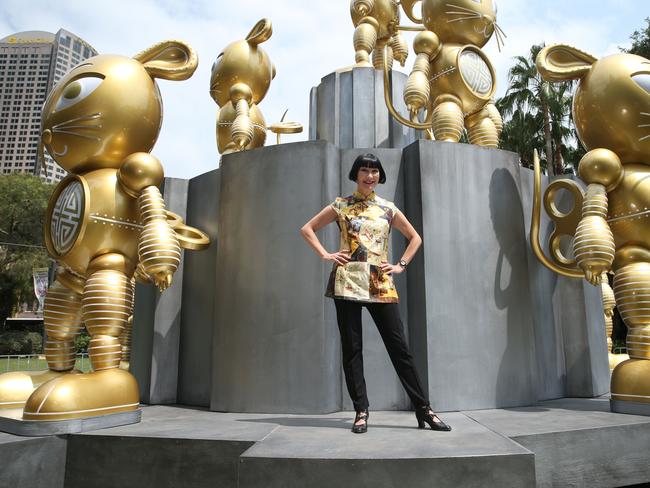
{"points": [[367, 179]]}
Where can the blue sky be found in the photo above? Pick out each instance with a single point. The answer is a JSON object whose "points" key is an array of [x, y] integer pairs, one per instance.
{"points": [[310, 40]]}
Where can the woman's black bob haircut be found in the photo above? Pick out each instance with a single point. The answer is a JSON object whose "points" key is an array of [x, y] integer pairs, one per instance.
{"points": [[367, 160]]}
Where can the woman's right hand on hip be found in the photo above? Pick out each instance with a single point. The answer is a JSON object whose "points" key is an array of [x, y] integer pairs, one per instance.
{"points": [[340, 258]]}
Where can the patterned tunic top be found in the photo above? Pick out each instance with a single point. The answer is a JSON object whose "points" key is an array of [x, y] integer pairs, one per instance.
{"points": [[365, 224]]}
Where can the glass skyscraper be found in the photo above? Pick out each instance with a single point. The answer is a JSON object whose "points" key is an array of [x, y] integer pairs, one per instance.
{"points": [[31, 63]]}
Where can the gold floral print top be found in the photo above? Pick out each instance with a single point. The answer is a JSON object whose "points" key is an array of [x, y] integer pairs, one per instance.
{"points": [[365, 224]]}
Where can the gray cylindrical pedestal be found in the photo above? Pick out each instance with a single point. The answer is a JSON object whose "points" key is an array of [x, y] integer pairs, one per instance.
{"points": [[348, 110], [271, 343], [275, 345], [468, 287]]}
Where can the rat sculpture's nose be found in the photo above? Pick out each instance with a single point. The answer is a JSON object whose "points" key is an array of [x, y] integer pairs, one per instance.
{"points": [[46, 136]]}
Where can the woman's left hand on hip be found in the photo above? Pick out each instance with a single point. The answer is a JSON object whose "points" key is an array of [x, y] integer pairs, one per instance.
{"points": [[391, 268]]}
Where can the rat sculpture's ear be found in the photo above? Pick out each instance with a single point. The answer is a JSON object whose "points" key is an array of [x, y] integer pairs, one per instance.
{"points": [[262, 32], [561, 63], [408, 5], [169, 60]]}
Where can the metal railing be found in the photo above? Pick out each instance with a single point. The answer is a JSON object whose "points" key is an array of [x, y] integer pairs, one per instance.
{"points": [[36, 362]]}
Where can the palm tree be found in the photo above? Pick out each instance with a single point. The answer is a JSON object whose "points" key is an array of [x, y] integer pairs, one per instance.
{"points": [[560, 99], [528, 92], [521, 132], [548, 104]]}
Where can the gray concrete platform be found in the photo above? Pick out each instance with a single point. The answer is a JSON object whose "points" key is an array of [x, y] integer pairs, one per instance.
{"points": [[11, 422], [559, 443], [577, 442]]}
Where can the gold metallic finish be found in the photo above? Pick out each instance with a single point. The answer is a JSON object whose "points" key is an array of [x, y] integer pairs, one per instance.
{"points": [[610, 95], [630, 381], [285, 127], [242, 127], [565, 224], [632, 291], [125, 337], [630, 205], [601, 166], [70, 281], [461, 80], [76, 396], [17, 386], [481, 129], [609, 302], [417, 89], [138, 171], [188, 237], [399, 47], [365, 40], [393, 111], [594, 242], [461, 21], [611, 110], [158, 248], [494, 114], [376, 23], [62, 322], [448, 120], [240, 79], [125, 341], [616, 359], [169, 60], [378, 55], [225, 119], [104, 221]]}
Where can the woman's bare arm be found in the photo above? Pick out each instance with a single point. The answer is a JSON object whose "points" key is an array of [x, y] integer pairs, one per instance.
{"points": [[401, 223], [308, 231]]}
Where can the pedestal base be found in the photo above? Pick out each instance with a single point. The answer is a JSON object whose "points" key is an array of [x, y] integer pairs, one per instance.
{"points": [[553, 444], [11, 422], [631, 408]]}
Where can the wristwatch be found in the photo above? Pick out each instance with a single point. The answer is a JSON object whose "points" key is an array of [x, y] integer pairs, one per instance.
{"points": [[402, 263]]}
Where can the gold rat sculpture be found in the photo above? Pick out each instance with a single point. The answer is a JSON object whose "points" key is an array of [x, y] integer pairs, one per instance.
{"points": [[452, 79], [241, 77], [376, 25], [105, 224], [611, 222]]}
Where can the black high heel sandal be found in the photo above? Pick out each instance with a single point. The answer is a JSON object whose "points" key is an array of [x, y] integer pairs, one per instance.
{"points": [[425, 414], [363, 428]]}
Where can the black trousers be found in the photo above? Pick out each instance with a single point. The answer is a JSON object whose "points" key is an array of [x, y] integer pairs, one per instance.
{"points": [[389, 324]]}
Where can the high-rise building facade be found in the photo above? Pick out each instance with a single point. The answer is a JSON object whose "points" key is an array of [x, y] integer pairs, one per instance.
{"points": [[31, 63]]}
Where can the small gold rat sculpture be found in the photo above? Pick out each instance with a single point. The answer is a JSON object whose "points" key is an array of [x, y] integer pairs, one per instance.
{"points": [[105, 224], [452, 79], [376, 25], [611, 222], [241, 77]]}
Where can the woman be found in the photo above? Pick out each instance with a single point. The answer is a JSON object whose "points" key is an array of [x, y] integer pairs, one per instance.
{"points": [[362, 276]]}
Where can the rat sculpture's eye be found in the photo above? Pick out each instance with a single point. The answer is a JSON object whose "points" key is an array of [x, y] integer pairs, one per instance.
{"points": [[643, 80], [496, 7], [77, 90]]}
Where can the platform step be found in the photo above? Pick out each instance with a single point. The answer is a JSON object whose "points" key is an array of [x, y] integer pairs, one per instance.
{"points": [[570, 442], [322, 452]]}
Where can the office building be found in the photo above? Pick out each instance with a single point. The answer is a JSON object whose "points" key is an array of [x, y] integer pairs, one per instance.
{"points": [[31, 63]]}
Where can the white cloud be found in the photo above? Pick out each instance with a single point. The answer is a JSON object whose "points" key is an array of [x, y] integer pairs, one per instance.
{"points": [[311, 39]]}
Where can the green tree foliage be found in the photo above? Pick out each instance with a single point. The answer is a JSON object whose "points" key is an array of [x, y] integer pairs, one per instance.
{"points": [[641, 41], [537, 115], [20, 342], [82, 341], [23, 201]]}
